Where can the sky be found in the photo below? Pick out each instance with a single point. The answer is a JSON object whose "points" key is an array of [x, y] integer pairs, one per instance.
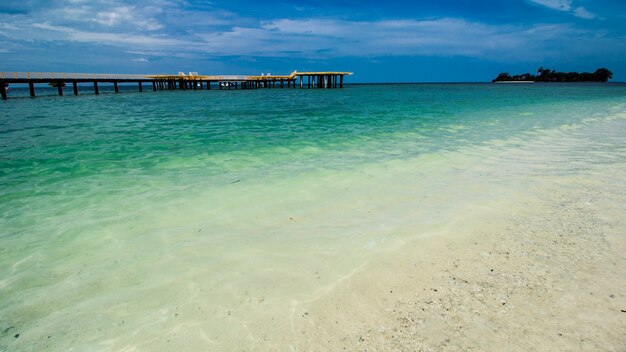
{"points": [[380, 41]]}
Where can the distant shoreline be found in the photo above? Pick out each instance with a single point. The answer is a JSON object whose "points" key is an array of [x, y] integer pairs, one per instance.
{"points": [[514, 82]]}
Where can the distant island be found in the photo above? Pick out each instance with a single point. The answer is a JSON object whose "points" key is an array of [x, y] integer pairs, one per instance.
{"points": [[547, 75]]}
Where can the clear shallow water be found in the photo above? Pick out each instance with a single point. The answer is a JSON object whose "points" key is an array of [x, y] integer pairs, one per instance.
{"points": [[212, 217]]}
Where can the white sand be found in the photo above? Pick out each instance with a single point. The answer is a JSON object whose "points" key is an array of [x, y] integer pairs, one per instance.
{"points": [[549, 277]]}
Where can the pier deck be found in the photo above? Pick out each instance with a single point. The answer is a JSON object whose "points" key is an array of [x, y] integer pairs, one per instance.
{"points": [[331, 79]]}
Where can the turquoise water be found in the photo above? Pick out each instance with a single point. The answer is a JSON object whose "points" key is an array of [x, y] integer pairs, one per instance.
{"points": [[127, 218]]}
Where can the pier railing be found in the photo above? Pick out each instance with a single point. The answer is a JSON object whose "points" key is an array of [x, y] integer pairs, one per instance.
{"points": [[200, 77]]}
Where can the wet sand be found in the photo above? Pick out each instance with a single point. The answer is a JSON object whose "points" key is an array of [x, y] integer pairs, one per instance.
{"points": [[545, 276]]}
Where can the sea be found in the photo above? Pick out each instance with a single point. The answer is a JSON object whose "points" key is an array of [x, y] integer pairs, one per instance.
{"points": [[210, 219]]}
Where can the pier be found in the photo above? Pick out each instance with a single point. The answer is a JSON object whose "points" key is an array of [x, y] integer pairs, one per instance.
{"points": [[181, 81]]}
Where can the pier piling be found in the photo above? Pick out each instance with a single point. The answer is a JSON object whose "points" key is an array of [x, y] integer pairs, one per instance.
{"points": [[95, 87], [75, 86], [31, 88], [115, 86]]}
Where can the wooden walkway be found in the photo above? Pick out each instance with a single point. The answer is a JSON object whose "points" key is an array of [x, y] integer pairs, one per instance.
{"points": [[191, 81]]}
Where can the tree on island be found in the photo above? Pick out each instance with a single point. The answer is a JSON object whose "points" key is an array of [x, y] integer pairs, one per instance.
{"points": [[547, 75]]}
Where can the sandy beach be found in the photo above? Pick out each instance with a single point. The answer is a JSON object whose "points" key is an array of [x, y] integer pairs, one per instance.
{"points": [[545, 273]]}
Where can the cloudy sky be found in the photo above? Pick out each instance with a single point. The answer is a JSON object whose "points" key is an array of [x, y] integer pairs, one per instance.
{"points": [[444, 40]]}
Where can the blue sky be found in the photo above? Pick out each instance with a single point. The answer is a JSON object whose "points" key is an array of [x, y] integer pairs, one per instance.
{"points": [[445, 40]]}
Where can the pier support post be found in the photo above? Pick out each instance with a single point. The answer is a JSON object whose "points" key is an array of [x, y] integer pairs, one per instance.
{"points": [[75, 86], [31, 88], [140, 86], [341, 81], [154, 86], [3, 90], [60, 87], [95, 87], [115, 86]]}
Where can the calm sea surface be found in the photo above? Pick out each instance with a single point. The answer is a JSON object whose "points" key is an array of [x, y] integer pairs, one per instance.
{"points": [[130, 221]]}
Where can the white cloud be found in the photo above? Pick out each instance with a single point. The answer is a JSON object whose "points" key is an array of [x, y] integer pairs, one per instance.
{"points": [[126, 14], [52, 33], [141, 34], [325, 38], [566, 6], [140, 59], [117, 14], [114, 16], [584, 13], [8, 26], [332, 38], [560, 5]]}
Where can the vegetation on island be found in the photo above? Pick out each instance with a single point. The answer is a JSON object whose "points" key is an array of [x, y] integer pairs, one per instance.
{"points": [[547, 75]]}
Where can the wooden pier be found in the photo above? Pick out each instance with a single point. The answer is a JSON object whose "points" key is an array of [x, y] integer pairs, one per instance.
{"points": [[182, 81]]}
